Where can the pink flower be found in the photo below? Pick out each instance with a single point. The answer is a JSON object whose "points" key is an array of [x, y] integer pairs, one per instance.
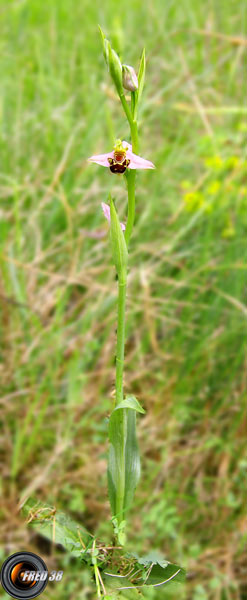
{"points": [[107, 213], [121, 158]]}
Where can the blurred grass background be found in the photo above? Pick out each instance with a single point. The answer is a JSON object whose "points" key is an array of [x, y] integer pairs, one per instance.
{"points": [[187, 290]]}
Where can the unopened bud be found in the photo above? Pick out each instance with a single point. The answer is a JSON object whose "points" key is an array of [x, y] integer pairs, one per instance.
{"points": [[119, 248], [105, 46], [113, 62], [115, 68], [130, 81]]}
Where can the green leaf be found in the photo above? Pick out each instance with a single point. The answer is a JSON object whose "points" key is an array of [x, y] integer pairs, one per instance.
{"points": [[164, 575], [161, 570], [132, 460], [119, 530], [57, 527], [141, 75], [144, 572], [118, 243], [130, 402], [115, 583], [124, 460]]}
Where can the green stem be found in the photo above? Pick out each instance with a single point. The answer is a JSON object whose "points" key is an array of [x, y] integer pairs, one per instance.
{"points": [[119, 397], [134, 137], [131, 174], [126, 108], [120, 491], [120, 340], [96, 574], [131, 178]]}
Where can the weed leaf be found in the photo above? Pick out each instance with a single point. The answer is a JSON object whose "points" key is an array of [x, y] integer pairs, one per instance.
{"points": [[57, 527]]}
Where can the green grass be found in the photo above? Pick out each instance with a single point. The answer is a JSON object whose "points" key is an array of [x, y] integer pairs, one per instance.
{"points": [[186, 324]]}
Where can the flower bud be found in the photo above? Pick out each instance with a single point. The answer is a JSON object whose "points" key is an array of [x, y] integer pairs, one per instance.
{"points": [[105, 44], [115, 68], [130, 81], [113, 62], [118, 244]]}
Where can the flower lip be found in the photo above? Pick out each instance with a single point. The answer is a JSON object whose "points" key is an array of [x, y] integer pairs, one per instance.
{"points": [[122, 150]]}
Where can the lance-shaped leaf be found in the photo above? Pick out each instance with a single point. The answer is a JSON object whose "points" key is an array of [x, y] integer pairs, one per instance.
{"points": [[118, 244], [124, 460], [141, 74], [136, 96]]}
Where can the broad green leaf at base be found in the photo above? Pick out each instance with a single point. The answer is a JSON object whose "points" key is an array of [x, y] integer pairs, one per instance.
{"points": [[124, 460], [57, 527]]}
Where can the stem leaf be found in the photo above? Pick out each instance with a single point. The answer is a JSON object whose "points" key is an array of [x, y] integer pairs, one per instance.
{"points": [[141, 75], [132, 459], [124, 460], [130, 402]]}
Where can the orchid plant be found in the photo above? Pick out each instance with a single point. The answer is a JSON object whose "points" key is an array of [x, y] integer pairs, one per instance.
{"points": [[114, 569], [124, 461]]}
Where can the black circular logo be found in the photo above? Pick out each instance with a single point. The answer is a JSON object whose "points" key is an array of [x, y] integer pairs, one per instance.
{"points": [[24, 575]]}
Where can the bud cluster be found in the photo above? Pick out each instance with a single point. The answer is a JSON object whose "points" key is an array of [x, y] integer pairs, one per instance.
{"points": [[123, 76]]}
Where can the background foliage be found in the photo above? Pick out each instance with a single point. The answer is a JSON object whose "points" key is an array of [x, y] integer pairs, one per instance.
{"points": [[186, 292]]}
